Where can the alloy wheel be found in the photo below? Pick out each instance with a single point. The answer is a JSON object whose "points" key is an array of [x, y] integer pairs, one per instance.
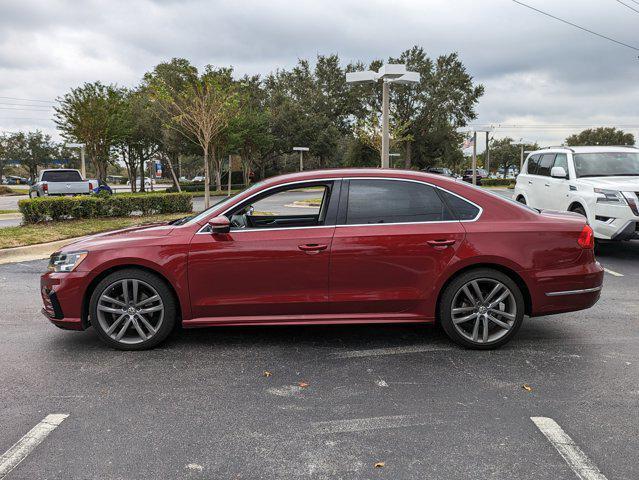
{"points": [[483, 310], [130, 311]]}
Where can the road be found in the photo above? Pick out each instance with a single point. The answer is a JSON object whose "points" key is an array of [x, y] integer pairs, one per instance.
{"points": [[200, 407]]}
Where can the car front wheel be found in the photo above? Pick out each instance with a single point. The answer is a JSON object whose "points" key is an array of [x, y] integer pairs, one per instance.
{"points": [[132, 310], [481, 309]]}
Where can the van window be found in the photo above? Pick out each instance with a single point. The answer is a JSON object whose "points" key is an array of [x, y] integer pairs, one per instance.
{"points": [[533, 163], [545, 164]]}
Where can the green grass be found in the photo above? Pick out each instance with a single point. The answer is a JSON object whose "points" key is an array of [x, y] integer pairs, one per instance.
{"points": [[5, 190], [52, 231], [8, 211]]}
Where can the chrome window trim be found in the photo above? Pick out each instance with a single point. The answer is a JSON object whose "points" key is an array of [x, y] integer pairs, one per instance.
{"points": [[332, 179], [573, 292]]}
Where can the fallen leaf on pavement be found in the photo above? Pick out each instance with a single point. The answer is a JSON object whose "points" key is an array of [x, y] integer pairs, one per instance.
{"points": [[379, 465], [302, 385], [527, 387], [267, 373]]}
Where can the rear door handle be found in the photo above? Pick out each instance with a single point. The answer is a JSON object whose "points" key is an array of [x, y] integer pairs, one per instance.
{"points": [[312, 247], [440, 244], [529, 182], [547, 184]]}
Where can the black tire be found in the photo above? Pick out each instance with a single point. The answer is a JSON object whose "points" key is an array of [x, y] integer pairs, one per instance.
{"points": [[168, 302], [456, 285], [522, 200], [579, 209]]}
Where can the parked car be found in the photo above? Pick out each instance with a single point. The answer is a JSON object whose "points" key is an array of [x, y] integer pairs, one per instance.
{"points": [[600, 183], [101, 186], [61, 181], [15, 180], [440, 171], [198, 179], [148, 182], [382, 246], [468, 175]]}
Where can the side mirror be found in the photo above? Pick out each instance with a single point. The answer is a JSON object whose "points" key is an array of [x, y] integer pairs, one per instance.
{"points": [[558, 172], [220, 224]]}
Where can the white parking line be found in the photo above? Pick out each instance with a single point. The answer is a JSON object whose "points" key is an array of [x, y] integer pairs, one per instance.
{"points": [[613, 273], [23, 447], [363, 424], [389, 351], [572, 454]]}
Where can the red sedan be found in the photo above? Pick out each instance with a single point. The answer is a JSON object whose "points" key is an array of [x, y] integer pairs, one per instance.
{"points": [[333, 246]]}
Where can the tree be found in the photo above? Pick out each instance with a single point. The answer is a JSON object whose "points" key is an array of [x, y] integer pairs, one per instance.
{"points": [[601, 136], [201, 109], [31, 150], [505, 154], [91, 114]]}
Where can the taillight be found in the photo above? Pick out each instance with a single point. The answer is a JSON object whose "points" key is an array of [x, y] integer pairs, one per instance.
{"points": [[45, 187], [90, 186], [586, 238]]}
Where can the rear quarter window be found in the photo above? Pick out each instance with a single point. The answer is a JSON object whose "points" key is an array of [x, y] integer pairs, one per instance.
{"points": [[460, 208], [533, 163]]}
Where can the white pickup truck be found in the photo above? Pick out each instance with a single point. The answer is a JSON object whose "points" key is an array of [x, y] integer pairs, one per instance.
{"points": [[600, 183], [61, 181]]}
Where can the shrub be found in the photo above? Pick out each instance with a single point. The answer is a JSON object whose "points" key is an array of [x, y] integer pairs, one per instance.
{"points": [[497, 182], [96, 206]]}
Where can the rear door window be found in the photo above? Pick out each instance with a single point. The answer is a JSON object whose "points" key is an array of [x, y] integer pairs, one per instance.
{"points": [[545, 164], [561, 161], [533, 163], [393, 201]]}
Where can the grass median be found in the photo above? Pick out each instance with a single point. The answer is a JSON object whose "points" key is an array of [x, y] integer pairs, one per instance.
{"points": [[52, 231]]}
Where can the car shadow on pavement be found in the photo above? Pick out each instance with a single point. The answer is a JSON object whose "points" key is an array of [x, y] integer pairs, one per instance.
{"points": [[618, 250]]}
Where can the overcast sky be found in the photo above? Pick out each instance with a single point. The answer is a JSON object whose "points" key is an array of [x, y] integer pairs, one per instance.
{"points": [[536, 70]]}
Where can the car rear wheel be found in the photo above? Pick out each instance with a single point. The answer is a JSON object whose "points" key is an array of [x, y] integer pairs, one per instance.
{"points": [[481, 309], [132, 310]]}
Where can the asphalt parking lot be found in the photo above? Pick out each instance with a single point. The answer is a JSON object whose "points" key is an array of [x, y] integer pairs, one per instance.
{"points": [[202, 407]]}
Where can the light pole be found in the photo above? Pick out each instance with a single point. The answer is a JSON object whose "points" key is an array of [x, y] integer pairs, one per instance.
{"points": [[475, 131], [522, 144], [301, 150], [391, 73], [83, 169]]}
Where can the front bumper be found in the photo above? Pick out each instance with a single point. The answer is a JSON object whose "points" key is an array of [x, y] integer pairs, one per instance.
{"points": [[615, 222], [62, 295]]}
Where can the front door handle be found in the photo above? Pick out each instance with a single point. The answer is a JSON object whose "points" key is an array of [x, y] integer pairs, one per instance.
{"points": [[312, 247], [440, 244], [547, 184], [529, 182]]}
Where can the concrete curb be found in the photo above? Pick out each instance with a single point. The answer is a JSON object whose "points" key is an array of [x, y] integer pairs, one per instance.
{"points": [[10, 216], [32, 252]]}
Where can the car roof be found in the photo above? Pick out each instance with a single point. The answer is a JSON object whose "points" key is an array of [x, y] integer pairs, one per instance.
{"points": [[588, 149]]}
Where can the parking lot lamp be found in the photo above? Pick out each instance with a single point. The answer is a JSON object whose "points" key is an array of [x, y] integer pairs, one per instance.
{"points": [[390, 73], [82, 164], [301, 150]]}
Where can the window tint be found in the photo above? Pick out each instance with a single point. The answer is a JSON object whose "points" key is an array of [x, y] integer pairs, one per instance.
{"points": [[561, 161], [533, 163], [61, 176], [393, 201], [461, 209], [545, 164]]}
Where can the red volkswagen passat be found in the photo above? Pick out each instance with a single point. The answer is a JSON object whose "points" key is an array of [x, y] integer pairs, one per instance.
{"points": [[333, 246]]}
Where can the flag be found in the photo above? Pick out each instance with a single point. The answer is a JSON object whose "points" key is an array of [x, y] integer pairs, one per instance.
{"points": [[469, 142]]}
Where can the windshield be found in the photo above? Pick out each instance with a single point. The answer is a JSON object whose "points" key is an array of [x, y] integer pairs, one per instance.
{"points": [[606, 164], [200, 216]]}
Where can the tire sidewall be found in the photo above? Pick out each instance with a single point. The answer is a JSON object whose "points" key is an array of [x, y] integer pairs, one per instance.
{"points": [[453, 287], [168, 300]]}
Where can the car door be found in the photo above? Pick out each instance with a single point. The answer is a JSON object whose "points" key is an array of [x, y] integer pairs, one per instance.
{"points": [[557, 189], [393, 239], [269, 265], [543, 186], [527, 179]]}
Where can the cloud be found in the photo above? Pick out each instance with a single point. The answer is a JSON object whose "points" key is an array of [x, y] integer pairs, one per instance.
{"points": [[535, 69]]}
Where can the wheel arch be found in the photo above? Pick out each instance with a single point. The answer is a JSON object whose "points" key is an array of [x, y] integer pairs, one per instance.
{"points": [[108, 271], [512, 274], [578, 203]]}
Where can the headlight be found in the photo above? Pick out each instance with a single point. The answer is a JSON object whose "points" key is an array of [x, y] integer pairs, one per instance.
{"points": [[65, 262], [609, 196]]}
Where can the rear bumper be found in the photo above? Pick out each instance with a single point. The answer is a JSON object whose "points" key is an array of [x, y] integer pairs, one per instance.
{"points": [[567, 289]]}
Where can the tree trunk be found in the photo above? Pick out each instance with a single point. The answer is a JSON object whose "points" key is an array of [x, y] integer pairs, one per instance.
{"points": [[176, 183], [142, 174], [408, 154], [207, 176]]}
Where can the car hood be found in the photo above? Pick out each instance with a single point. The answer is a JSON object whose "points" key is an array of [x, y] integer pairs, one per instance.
{"points": [[625, 184], [120, 237]]}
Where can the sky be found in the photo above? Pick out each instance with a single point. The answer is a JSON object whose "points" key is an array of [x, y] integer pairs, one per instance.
{"points": [[549, 77]]}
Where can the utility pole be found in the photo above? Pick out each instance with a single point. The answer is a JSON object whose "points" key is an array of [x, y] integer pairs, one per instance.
{"points": [[83, 169], [474, 166], [301, 150], [487, 153], [385, 129], [230, 174]]}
